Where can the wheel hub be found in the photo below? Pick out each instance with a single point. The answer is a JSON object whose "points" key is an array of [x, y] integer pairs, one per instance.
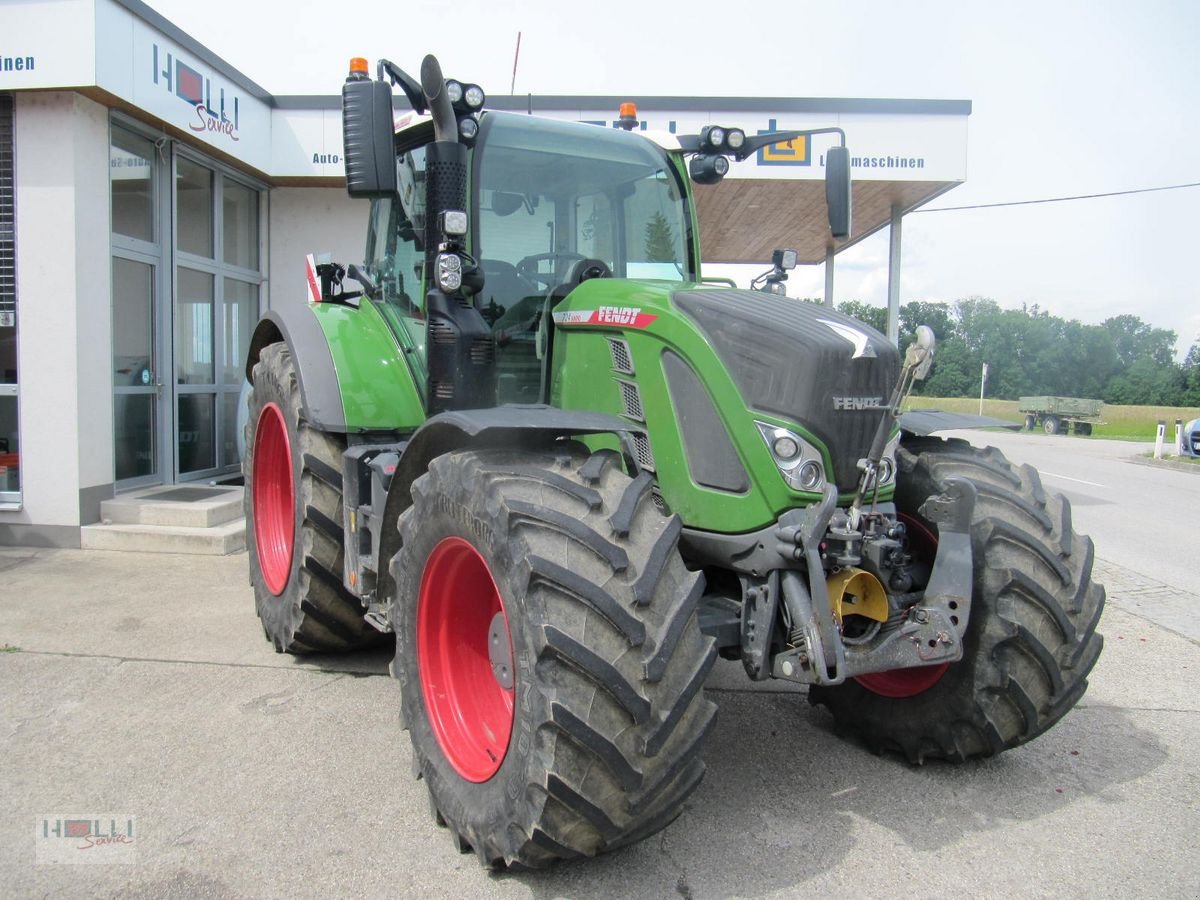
{"points": [[273, 499], [900, 683], [465, 659]]}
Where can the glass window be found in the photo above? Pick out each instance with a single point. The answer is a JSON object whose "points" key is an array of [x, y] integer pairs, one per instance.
{"points": [[131, 177], [554, 190], [551, 194], [194, 328], [396, 259], [135, 376], [395, 239], [656, 240], [133, 323], [135, 431], [194, 208], [240, 314], [240, 224], [229, 415], [196, 436]]}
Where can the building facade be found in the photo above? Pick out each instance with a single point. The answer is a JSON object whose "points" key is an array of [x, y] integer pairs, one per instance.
{"points": [[154, 202]]}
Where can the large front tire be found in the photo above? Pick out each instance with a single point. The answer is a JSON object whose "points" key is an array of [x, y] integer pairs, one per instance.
{"points": [[1031, 640], [293, 503], [549, 654]]}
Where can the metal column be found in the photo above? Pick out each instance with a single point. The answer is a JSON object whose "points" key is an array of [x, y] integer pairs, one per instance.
{"points": [[829, 277], [893, 320]]}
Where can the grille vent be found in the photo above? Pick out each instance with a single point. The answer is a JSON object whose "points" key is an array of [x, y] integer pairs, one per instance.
{"points": [[442, 332], [483, 351], [657, 497], [622, 361], [641, 448], [631, 400]]}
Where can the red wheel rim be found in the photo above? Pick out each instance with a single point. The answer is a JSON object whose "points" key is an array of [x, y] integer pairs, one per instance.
{"points": [[900, 683], [470, 710], [274, 499]]}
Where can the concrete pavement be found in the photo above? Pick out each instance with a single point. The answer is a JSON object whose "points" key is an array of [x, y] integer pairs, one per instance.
{"points": [[141, 685]]}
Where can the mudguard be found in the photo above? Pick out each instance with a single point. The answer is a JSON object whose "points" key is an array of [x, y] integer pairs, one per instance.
{"points": [[352, 373], [931, 421]]}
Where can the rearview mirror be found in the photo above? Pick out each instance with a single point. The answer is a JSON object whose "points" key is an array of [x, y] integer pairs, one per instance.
{"points": [[837, 191], [504, 204], [368, 138]]}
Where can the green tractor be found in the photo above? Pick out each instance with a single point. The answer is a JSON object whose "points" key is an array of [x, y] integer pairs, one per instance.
{"points": [[567, 473]]}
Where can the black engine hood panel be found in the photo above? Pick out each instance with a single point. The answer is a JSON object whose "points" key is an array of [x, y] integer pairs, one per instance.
{"points": [[803, 362]]}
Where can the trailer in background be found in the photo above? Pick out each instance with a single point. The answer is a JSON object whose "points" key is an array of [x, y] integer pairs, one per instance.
{"points": [[1058, 415]]}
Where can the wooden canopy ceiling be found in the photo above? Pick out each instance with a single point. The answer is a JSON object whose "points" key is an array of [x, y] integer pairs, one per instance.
{"points": [[743, 220]]}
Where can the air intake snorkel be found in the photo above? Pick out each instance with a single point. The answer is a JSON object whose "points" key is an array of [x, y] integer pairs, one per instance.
{"points": [[460, 348]]}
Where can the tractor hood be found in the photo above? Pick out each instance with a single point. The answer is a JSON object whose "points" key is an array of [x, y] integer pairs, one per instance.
{"points": [[802, 362]]}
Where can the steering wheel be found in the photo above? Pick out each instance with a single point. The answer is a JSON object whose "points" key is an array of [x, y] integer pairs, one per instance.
{"points": [[528, 267]]}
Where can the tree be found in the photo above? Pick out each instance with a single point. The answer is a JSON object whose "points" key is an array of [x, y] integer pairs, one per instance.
{"points": [[875, 316], [660, 240], [1136, 340]]}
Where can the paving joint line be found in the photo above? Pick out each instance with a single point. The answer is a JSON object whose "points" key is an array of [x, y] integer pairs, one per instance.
{"points": [[191, 662]]}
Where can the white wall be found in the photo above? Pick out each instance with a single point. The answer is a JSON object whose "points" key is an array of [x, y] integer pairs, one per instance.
{"points": [[64, 343], [311, 220]]}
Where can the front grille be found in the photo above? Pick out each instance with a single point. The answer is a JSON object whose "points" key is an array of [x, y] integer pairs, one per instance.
{"points": [[801, 363]]}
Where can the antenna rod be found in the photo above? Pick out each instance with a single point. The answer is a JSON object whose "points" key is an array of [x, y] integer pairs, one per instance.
{"points": [[512, 88]]}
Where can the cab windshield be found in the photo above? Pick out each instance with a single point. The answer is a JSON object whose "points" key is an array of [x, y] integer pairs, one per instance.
{"points": [[553, 193]]}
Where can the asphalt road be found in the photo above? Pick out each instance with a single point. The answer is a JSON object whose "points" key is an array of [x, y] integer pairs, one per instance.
{"points": [[1142, 518], [141, 685]]}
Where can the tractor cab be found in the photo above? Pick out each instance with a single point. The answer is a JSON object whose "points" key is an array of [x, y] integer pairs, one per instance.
{"points": [[548, 210]]}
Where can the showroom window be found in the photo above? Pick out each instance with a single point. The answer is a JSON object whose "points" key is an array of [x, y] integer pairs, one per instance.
{"points": [[10, 439]]}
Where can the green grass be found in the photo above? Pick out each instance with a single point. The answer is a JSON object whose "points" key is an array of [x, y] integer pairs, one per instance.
{"points": [[1138, 423]]}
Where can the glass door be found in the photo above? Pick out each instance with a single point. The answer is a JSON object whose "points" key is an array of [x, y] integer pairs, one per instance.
{"points": [[217, 280], [141, 416]]}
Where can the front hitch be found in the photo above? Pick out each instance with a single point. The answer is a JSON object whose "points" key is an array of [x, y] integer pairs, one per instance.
{"points": [[932, 630]]}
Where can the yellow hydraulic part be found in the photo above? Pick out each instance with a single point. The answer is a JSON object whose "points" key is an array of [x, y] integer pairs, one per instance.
{"points": [[856, 592]]}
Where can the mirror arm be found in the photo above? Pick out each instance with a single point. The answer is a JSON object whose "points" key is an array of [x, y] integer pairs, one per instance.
{"points": [[756, 143], [405, 82]]}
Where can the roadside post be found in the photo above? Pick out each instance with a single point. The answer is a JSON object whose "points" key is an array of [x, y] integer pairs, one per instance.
{"points": [[1179, 437], [1158, 441]]}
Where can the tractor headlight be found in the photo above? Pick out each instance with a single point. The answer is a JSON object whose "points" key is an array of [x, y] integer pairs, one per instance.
{"points": [[885, 472], [735, 138], [810, 476], [473, 94], [449, 272], [454, 90], [708, 168], [715, 137], [452, 222], [785, 448], [468, 129], [799, 461]]}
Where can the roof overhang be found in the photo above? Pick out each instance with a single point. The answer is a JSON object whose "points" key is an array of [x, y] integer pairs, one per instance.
{"points": [[123, 54]]}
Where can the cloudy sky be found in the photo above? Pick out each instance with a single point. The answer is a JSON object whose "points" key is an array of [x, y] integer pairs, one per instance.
{"points": [[1069, 98]]}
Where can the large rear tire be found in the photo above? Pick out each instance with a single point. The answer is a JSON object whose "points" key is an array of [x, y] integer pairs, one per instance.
{"points": [[549, 654], [1031, 640], [293, 503]]}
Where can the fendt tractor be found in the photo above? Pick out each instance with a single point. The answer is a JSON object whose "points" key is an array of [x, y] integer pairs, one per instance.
{"points": [[567, 473]]}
